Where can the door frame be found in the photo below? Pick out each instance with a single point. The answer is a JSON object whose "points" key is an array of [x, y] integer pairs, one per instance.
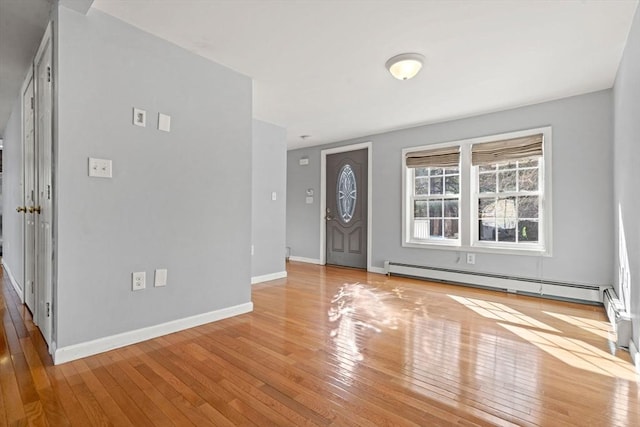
{"points": [[323, 195]]}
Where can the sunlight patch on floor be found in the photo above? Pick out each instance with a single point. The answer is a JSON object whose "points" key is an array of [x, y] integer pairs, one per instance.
{"points": [[501, 312], [600, 328], [576, 353]]}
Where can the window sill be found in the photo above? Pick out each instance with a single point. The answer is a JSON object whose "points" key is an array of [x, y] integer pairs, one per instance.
{"points": [[457, 247]]}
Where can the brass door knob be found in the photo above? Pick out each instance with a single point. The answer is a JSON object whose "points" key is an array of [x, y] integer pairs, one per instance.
{"points": [[35, 209], [21, 209]]}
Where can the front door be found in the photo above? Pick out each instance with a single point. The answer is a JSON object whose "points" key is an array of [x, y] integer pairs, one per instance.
{"points": [[346, 215]]}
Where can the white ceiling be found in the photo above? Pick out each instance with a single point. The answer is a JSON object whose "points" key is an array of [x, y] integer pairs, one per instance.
{"points": [[318, 66]]}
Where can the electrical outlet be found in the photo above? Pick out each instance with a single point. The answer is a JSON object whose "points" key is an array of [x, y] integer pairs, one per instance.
{"points": [[161, 277], [138, 280], [471, 258]]}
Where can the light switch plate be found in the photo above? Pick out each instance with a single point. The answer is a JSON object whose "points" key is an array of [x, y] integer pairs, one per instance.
{"points": [[139, 117], [164, 122], [309, 200], [274, 196], [100, 168], [161, 277]]}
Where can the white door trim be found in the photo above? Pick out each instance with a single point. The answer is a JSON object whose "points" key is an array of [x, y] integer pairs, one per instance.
{"points": [[323, 195]]}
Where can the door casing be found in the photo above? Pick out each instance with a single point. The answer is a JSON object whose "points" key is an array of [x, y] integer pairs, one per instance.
{"points": [[323, 196]]}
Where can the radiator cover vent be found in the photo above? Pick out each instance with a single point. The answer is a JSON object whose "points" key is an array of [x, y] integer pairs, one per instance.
{"points": [[590, 294]]}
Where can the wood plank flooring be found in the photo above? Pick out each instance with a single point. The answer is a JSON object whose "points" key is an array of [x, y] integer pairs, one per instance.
{"points": [[337, 347]]}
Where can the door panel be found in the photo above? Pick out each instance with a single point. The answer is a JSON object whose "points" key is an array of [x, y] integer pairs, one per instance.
{"points": [[28, 103], [43, 207], [346, 201]]}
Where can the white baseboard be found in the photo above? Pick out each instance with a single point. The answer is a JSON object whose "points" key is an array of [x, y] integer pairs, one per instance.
{"points": [[377, 270], [100, 345], [268, 277], [303, 259], [635, 355], [13, 281]]}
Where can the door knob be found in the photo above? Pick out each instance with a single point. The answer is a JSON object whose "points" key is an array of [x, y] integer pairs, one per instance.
{"points": [[21, 209], [328, 217], [35, 209]]}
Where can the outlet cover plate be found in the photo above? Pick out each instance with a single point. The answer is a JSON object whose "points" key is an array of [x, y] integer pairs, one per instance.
{"points": [[138, 280]]}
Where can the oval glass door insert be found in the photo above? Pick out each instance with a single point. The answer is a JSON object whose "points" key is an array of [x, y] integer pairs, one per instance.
{"points": [[346, 193]]}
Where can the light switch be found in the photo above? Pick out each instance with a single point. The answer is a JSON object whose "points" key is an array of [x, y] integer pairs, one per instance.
{"points": [[274, 196], [100, 168], [161, 277], [309, 200], [164, 122]]}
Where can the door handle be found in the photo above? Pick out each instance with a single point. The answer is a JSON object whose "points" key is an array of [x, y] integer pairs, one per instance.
{"points": [[21, 209], [35, 209], [328, 217]]}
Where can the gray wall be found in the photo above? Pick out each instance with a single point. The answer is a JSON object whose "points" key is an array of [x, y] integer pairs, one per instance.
{"points": [[12, 221], [268, 216], [177, 200], [303, 225], [582, 182], [626, 94]]}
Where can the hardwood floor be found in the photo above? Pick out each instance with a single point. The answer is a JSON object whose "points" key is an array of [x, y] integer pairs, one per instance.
{"points": [[330, 346]]}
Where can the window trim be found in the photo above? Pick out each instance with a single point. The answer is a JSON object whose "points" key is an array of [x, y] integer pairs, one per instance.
{"points": [[468, 225]]}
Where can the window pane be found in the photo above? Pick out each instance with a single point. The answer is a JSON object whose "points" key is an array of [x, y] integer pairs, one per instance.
{"points": [[507, 181], [451, 208], [451, 228], [421, 171], [506, 207], [507, 165], [452, 184], [531, 163], [487, 183], [528, 207], [435, 208], [435, 227], [436, 171], [422, 186], [421, 229], [487, 230], [486, 208], [420, 209], [506, 229], [528, 179], [436, 184], [452, 171], [528, 231]]}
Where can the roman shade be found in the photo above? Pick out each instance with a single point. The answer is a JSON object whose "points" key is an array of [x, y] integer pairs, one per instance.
{"points": [[439, 158], [513, 149]]}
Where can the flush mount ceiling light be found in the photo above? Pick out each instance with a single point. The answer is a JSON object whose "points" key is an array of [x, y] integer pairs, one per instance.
{"points": [[405, 66]]}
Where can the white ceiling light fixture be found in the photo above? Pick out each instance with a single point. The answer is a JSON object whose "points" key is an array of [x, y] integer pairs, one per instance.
{"points": [[405, 66]]}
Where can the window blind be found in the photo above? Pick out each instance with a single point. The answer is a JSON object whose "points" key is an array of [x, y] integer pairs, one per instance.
{"points": [[441, 157], [508, 149]]}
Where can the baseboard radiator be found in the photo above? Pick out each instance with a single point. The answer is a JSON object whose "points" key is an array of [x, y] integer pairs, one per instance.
{"points": [[620, 320], [591, 294]]}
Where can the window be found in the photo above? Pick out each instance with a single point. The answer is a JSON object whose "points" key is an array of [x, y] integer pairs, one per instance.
{"points": [[435, 195], [484, 194]]}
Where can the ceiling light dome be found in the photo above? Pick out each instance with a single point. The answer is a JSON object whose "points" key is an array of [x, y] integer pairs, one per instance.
{"points": [[405, 66]]}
